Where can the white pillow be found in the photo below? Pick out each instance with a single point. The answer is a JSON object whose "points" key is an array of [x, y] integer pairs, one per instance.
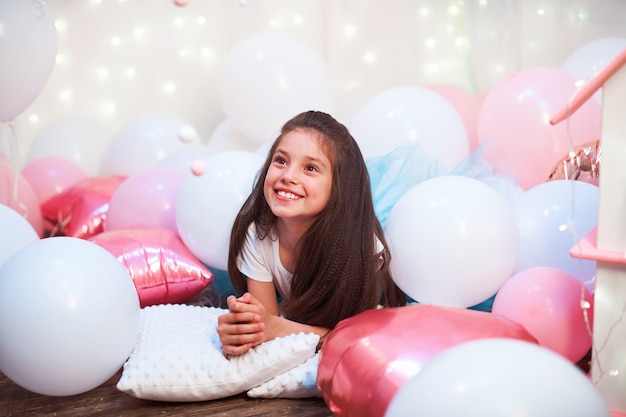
{"points": [[299, 382], [178, 357]]}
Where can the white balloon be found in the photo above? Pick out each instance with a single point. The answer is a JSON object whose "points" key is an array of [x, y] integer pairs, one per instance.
{"points": [[143, 142], [226, 137], [453, 241], [77, 138], [590, 58], [407, 115], [267, 79], [207, 204], [69, 316], [498, 377], [182, 159], [28, 48], [21, 232]]}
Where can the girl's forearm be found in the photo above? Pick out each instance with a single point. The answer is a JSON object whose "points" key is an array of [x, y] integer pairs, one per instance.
{"points": [[280, 326]]}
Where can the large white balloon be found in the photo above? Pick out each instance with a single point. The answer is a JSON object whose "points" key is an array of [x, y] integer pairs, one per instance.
{"points": [[226, 137], [145, 141], [182, 159], [551, 218], [69, 316], [207, 204], [453, 241], [77, 138], [267, 79], [28, 48], [17, 232], [498, 377], [408, 115], [590, 58]]}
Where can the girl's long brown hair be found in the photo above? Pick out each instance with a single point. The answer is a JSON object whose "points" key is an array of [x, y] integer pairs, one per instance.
{"points": [[337, 274]]}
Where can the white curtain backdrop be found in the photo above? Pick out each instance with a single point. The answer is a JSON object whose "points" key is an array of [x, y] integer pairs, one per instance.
{"points": [[119, 59]]}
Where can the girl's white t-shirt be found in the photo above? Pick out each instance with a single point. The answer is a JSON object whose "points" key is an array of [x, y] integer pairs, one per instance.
{"points": [[260, 260]]}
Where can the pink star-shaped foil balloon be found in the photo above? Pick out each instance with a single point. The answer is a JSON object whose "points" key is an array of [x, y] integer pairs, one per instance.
{"points": [[162, 268], [80, 210]]}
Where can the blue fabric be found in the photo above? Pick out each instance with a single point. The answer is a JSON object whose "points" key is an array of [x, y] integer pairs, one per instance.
{"points": [[395, 173]]}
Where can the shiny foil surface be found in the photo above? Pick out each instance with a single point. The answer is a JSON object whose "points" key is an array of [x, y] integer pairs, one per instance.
{"points": [[162, 268], [368, 357], [80, 211], [581, 164]]}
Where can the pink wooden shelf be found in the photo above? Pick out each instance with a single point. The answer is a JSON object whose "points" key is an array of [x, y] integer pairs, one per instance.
{"points": [[587, 248]]}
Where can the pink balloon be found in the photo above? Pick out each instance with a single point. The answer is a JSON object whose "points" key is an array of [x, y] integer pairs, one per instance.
{"points": [[49, 176], [147, 198], [515, 118], [81, 209], [368, 357], [547, 302], [162, 268], [17, 193], [466, 104]]}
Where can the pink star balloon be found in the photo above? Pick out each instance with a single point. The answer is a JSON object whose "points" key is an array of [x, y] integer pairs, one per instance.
{"points": [[162, 268]]}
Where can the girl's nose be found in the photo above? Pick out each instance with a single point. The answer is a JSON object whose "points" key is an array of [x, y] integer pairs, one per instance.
{"points": [[289, 176]]}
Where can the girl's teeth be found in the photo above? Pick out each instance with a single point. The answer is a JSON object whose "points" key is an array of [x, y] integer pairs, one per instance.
{"points": [[290, 196]]}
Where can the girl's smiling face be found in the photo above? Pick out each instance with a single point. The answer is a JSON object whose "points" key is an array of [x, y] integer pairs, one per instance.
{"points": [[298, 183]]}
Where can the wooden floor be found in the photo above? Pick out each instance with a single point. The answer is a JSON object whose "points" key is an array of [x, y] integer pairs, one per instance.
{"points": [[107, 401]]}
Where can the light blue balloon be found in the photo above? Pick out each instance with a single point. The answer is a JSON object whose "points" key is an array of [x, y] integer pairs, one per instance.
{"points": [[552, 217]]}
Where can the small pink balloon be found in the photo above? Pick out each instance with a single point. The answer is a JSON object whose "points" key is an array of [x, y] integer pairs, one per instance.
{"points": [[162, 268], [198, 167], [515, 119], [466, 104], [367, 358], [180, 2], [51, 175], [147, 198], [547, 302]]}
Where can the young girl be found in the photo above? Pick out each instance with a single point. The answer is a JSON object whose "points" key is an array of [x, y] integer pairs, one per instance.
{"points": [[307, 234]]}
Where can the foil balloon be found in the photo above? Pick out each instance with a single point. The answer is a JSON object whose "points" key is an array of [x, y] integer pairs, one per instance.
{"points": [[80, 210], [581, 164], [368, 357], [162, 268]]}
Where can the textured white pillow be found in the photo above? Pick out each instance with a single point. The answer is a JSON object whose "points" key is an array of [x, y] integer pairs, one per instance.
{"points": [[299, 382], [178, 357]]}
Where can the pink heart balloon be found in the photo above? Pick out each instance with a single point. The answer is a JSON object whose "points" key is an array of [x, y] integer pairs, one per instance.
{"points": [[368, 357], [162, 268]]}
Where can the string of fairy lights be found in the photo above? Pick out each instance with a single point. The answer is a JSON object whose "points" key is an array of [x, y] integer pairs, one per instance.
{"points": [[160, 56]]}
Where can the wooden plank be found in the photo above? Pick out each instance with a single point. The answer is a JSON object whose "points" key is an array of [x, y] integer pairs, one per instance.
{"points": [[107, 401]]}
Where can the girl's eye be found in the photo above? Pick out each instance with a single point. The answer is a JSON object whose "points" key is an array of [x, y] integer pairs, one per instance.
{"points": [[279, 160], [312, 168]]}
